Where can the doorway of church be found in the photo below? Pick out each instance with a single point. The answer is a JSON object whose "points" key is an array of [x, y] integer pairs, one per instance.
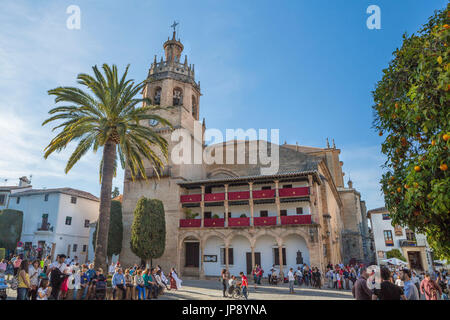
{"points": [[192, 254], [249, 261], [415, 260]]}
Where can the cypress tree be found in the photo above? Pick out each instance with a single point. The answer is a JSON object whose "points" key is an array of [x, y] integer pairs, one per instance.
{"points": [[148, 231]]}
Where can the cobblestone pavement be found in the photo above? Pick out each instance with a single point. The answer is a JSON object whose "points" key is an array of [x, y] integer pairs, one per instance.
{"points": [[212, 290]]}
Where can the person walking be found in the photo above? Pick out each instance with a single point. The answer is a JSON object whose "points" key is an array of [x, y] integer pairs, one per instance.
{"points": [[291, 280], [360, 290], [430, 288], [409, 288], [223, 279], [34, 271], [244, 285]]}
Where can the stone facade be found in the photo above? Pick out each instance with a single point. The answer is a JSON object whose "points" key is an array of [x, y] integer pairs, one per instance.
{"points": [[326, 208]]}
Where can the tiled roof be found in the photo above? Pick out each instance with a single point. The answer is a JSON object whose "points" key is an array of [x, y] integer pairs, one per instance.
{"points": [[9, 188], [69, 191]]}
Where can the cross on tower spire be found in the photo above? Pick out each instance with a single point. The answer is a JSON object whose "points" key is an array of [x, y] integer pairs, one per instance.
{"points": [[174, 25]]}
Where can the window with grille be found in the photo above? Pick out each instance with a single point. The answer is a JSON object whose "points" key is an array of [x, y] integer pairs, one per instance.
{"points": [[68, 221], [276, 253], [299, 210], [73, 200], [264, 213]]}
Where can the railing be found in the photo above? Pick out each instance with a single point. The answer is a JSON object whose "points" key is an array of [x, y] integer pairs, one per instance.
{"points": [[245, 195], [191, 198], [43, 227], [389, 243], [305, 219], [407, 243], [238, 222], [240, 195], [264, 194], [294, 192], [265, 221], [190, 223], [217, 222], [211, 197]]}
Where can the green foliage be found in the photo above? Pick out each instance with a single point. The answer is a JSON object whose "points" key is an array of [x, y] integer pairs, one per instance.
{"points": [[412, 112], [148, 231], [115, 193], [395, 253], [215, 216], [243, 215], [115, 233], [189, 214], [2, 253], [109, 111], [10, 228]]}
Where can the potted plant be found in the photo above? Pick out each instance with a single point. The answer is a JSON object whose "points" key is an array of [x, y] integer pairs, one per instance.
{"points": [[243, 215], [215, 216]]}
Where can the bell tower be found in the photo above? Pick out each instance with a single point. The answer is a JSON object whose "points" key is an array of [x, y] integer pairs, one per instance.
{"points": [[171, 85]]}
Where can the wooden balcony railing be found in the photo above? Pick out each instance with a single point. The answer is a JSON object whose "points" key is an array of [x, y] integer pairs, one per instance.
{"points": [[265, 221], [190, 223], [294, 192], [191, 198], [304, 219], [240, 195], [218, 222], [263, 194], [238, 222], [211, 197]]}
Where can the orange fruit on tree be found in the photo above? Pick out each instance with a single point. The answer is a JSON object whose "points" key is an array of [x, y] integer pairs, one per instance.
{"points": [[417, 168], [399, 189], [445, 137], [416, 184], [392, 178], [433, 142], [443, 167], [406, 186]]}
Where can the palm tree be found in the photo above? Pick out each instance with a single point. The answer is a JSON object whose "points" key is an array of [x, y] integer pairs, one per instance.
{"points": [[108, 116]]}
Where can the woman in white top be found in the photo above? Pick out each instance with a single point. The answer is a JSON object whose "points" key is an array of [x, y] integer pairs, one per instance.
{"points": [[174, 275], [74, 282], [34, 270]]}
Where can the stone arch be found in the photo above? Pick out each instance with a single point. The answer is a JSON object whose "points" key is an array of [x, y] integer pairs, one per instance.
{"points": [[241, 245], [177, 95], [210, 234], [264, 244], [297, 248]]}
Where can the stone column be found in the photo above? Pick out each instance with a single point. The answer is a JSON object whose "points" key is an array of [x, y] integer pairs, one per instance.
{"points": [[277, 201], [250, 184], [253, 256], [226, 255], [280, 257], [202, 268], [226, 205], [312, 199], [202, 206]]}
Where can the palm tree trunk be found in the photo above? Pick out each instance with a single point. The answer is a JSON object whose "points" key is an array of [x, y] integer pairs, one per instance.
{"points": [[109, 157]]}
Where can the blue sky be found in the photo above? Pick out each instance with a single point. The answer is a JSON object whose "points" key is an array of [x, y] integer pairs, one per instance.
{"points": [[305, 67]]}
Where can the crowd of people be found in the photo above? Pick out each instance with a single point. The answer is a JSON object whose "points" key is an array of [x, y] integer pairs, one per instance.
{"points": [[403, 284], [67, 279]]}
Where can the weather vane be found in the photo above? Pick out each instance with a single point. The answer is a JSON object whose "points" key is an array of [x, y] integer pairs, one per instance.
{"points": [[174, 25]]}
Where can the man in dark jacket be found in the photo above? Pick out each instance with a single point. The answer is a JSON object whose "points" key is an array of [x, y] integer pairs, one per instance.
{"points": [[360, 290]]}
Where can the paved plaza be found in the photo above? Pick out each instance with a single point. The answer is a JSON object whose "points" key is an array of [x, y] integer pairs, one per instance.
{"points": [[212, 290]]}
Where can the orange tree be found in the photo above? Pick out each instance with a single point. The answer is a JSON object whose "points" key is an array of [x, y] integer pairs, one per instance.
{"points": [[412, 112]]}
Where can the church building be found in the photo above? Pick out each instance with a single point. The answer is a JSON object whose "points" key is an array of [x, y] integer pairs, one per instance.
{"points": [[232, 216]]}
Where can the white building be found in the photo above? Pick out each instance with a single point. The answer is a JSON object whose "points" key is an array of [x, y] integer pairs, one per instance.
{"points": [[414, 247], [56, 220], [6, 191]]}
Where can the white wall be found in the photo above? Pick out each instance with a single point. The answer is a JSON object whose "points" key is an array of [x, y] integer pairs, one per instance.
{"points": [[58, 207]]}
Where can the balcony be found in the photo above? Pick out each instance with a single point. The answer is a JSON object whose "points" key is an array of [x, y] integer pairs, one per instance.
{"points": [[265, 221], [242, 195], [189, 198], [238, 222], [289, 220], [407, 243], [263, 194], [212, 197], [190, 223], [294, 192], [214, 223], [389, 243]]}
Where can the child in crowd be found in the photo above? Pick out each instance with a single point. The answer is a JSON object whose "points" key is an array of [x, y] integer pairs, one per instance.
{"points": [[44, 291]]}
